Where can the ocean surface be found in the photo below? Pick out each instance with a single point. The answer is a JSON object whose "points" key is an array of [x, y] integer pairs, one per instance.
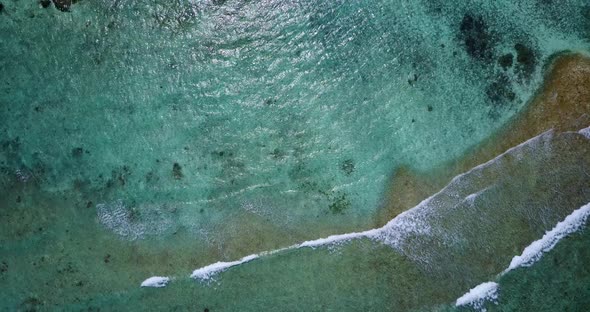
{"points": [[240, 151]]}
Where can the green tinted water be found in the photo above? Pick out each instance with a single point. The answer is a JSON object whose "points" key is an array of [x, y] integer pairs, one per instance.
{"points": [[154, 137]]}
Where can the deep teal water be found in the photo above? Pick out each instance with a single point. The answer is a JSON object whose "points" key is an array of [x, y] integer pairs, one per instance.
{"points": [[142, 128]]}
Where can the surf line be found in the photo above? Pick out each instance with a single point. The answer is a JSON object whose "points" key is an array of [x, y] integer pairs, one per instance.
{"points": [[404, 221], [477, 296], [531, 254], [207, 272]]}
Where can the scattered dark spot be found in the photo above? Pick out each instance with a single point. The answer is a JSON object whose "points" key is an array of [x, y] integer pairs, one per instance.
{"points": [[110, 183], [586, 12], [31, 304], [475, 35], [63, 5], [202, 210], [1, 7], [120, 176], [18, 199], [40, 229], [206, 310], [340, 204], [89, 204], [121, 179], [38, 109], [79, 283], [500, 91], [186, 148], [269, 102], [347, 166], [151, 177], [69, 268], [413, 79], [218, 2], [221, 153], [277, 154], [506, 61], [3, 267], [413, 120], [177, 171], [45, 3], [442, 45], [134, 213], [525, 57], [77, 152], [430, 108], [107, 258], [11, 145]]}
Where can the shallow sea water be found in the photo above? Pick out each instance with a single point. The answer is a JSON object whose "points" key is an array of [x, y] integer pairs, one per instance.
{"points": [[142, 138]]}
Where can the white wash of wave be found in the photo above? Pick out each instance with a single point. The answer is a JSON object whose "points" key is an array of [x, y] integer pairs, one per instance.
{"points": [[415, 222], [478, 295], [156, 281], [533, 252], [208, 271]]}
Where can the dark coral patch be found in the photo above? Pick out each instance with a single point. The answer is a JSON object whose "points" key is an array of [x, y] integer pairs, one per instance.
{"points": [[63, 5], [77, 152], [340, 204], [177, 171], [526, 59], [477, 39], [500, 92], [506, 61], [347, 166], [119, 176]]}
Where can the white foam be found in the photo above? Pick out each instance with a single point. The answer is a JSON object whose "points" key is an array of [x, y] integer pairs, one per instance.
{"points": [[535, 251], [209, 271], [531, 254], [334, 239], [585, 132], [156, 281], [477, 296]]}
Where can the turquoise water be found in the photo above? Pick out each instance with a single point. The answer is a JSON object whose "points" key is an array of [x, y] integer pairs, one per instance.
{"points": [[154, 137]]}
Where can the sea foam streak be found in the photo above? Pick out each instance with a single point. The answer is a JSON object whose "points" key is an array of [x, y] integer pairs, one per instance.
{"points": [[156, 281], [209, 271], [479, 294], [531, 254], [535, 251], [399, 231]]}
